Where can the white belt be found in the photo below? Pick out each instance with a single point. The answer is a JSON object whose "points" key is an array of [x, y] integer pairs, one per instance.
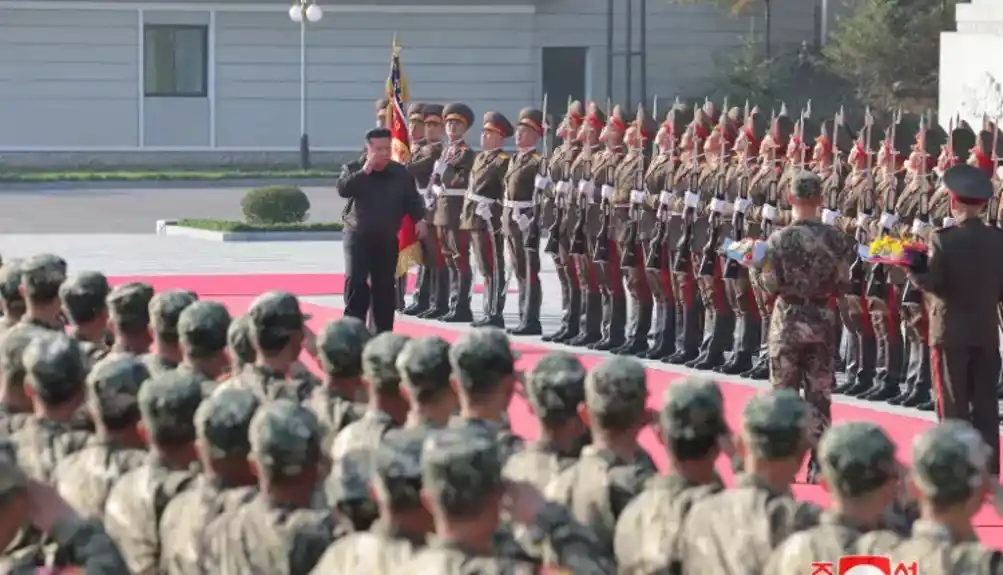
{"points": [[480, 199], [518, 204], [449, 192], [423, 191]]}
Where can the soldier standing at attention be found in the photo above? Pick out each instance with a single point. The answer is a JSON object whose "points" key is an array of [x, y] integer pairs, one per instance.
{"points": [[432, 294], [129, 312], [481, 215], [694, 432], [416, 125], [860, 467], [83, 297], [165, 310], [963, 284], [11, 299], [806, 264], [202, 331], [463, 487], [425, 373], [736, 530], [520, 207], [339, 400], [451, 175], [561, 161]]}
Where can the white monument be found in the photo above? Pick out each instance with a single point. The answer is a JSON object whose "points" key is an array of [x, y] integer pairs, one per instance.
{"points": [[971, 66]]}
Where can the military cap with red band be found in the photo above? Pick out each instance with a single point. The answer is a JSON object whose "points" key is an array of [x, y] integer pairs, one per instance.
{"points": [[496, 122], [968, 184], [459, 112], [416, 111], [575, 111], [595, 117], [617, 119], [677, 118], [531, 118], [432, 113]]}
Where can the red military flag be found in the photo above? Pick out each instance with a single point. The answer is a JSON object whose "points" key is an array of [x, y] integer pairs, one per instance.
{"points": [[407, 238]]}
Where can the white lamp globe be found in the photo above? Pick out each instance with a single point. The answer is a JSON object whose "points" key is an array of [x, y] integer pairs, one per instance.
{"points": [[296, 13], [314, 13]]}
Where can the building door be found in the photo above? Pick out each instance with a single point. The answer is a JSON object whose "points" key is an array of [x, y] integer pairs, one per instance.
{"points": [[565, 73]]}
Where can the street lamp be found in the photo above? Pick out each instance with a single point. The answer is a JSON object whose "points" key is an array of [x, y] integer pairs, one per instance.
{"points": [[301, 12]]}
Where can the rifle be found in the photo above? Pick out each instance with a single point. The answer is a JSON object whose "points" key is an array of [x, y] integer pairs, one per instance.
{"points": [[542, 180], [656, 246], [878, 286], [601, 252], [910, 293], [578, 244], [629, 257], [684, 249], [710, 254], [832, 194], [858, 273]]}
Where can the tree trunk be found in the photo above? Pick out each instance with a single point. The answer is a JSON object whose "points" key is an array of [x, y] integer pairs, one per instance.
{"points": [[768, 25]]}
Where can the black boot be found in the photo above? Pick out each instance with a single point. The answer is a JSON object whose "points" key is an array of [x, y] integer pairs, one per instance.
{"points": [[928, 406], [921, 389], [760, 366], [607, 321], [721, 338], [852, 363], [887, 381], [531, 311], [422, 291], [439, 299], [666, 326], [564, 278], [751, 334], [461, 312], [692, 331], [572, 316], [911, 374], [589, 330], [637, 339], [867, 355]]}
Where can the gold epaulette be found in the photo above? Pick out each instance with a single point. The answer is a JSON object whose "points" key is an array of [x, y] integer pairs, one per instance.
{"points": [[503, 155]]}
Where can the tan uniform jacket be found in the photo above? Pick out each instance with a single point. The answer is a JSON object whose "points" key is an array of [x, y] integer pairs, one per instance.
{"points": [[459, 160], [487, 185], [520, 183]]}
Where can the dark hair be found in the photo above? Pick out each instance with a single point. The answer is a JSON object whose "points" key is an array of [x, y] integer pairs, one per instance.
{"points": [[692, 449], [83, 307], [377, 134]]}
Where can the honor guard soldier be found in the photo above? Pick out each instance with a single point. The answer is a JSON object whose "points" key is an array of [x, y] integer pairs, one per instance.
{"points": [[416, 125], [984, 156], [959, 146], [962, 279], [431, 298], [519, 208], [585, 226], [606, 256], [634, 223], [558, 245], [481, 215], [381, 112], [659, 180], [450, 177]]}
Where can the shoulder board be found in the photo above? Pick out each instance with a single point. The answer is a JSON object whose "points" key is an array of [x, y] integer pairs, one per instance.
{"points": [[945, 229], [503, 155], [536, 154]]}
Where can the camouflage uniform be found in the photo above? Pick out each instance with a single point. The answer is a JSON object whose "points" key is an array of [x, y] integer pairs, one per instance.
{"points": [[340, 346], [806, 264], [647, 532], [386, 547], [265, 537], [461, 472], [85, 478], [137, 501], [424, 370], [274, 317], [165, 311], [129, 309], [10, 295], [221, 425], [598, 487], [13, 375], [950, 461], [481, 361], [736, 530], [202, 330], [41, 277], [857, 459]]}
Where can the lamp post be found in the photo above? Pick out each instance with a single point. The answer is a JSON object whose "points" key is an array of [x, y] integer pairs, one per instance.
{"points": [[301, 12]]}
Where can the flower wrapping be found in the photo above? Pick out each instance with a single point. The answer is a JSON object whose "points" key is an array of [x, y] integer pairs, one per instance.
{"points": [[895, 251], [749, 252]]}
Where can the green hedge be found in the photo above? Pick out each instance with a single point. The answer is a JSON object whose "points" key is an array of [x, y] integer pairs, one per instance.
{"points": [[275, 205], [234, 226]]}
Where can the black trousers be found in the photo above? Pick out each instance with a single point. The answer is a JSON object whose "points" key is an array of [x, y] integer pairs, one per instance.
{"points": [[370, 270], [964, 379]]}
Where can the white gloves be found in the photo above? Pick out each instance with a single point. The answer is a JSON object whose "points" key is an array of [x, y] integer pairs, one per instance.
{"points": [[607, 192], [542, 182], [919, 225], [691, 200], [769, 212], [949, 221], [888, 220], [637, 197], [665, 198], [742, 205], [585, 189], [523, 222], [439, 168], [483, 210], [829, 216], [862, 219]]}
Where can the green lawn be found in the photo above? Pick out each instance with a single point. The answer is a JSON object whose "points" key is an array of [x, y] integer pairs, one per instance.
{"points": [[208, 175], [235, 226]]}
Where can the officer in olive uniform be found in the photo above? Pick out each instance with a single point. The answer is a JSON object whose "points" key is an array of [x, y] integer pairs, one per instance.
{"points": [[129, 317], [431, 297], [449, 182], [165, 310], [416, 125], [481, 215], [962, 280], [956, 151], [736, 530], [202, 333], [694, 430], [520, 207], [563, 192]]}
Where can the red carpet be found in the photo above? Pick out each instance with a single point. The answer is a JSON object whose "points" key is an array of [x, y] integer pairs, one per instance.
{"points": [[902, 429], [211, 285]]}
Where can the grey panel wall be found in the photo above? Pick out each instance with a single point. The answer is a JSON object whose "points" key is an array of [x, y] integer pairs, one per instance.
{"points": [[68, 78], [176, 122], [486, 61]]}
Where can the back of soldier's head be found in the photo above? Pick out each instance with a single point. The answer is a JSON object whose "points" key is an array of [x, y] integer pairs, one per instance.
{"points": [[55, 368], [168, 403], [857, 458], [348, 487], [165, 310], [222, 422], [616, 393], [340, 345], [202, 329], [238, 341], [461, 470], [555, 387], [950, 463], [113, 390], [83, 296], [41, 276], [276, 321], [481, 360], [424, 368], [129, 307], [285, 440], [692, 420], [775, 424], [10, 286], [12, 348], [379, 363], [396, 476]]}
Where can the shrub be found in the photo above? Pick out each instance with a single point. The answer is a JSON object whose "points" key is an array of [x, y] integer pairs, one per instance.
{"points": [[275, 205]]}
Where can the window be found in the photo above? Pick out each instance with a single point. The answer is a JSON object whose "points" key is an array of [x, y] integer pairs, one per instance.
{"points": [[175, 61]]}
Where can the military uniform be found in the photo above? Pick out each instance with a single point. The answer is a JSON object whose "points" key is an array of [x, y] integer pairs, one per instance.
{"points": [[13, 375], [450, 178], [10, 295], [202, 333], [83, 297], [340, 347], [431, 298], [165, 310], [425, 374], [136, 504], [562, 192], [262, 536], [736, 530], [129, 313], [647, 532], [221, 426], [523, 181]]}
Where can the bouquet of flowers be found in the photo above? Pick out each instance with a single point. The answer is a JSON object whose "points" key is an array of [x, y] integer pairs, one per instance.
{"points": [[749, 252], [896, 251]]}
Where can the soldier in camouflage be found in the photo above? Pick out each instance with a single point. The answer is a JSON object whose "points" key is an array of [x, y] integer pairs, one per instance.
{"points": [[424, 370], [736, 530], [404, 524], [462, 481], [806, 264], [15, 405], [165, 311], [221, 425], [242, 354], [860, 467], [167, 405], [41, 277], [85, 478], [695, 433], [84, 300], [483, 366], [338, 402], [616, 396], [11, 301], [276, 531], [202, 329], [129, 311]]}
